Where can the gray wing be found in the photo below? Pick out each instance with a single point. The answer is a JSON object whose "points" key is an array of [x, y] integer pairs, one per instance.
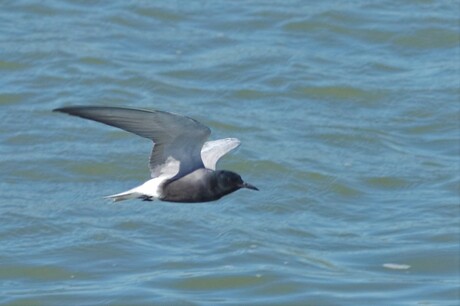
{"points": [[177, 139], [212, 151]]}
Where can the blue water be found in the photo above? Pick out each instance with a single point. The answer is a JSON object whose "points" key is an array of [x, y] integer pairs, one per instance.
{"points": [[349, 119]]}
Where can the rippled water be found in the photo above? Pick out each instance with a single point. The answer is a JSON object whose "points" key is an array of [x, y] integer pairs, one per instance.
{"points": [[348, 115]]}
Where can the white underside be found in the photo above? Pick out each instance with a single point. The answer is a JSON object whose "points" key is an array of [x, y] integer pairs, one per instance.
{"points": [[151, 188]]}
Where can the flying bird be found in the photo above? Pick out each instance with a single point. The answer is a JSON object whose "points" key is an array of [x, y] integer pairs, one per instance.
{"points": [[182, 163]]}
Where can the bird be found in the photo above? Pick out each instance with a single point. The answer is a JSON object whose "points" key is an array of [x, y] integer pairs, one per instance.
{"points": [[182, 162]]}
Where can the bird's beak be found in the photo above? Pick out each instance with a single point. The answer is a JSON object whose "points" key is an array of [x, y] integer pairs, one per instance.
{"points": [[249, 186]]}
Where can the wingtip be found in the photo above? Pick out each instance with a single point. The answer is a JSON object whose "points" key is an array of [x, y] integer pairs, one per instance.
{"points": [[236, 141], [66, 110], [76, 110]]}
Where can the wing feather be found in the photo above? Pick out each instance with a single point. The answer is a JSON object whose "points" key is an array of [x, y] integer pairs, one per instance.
{"points": [[177, 139], [212, 151]]}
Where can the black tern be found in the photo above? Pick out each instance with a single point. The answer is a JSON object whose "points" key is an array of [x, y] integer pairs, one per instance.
{"points": [[182, 163]]}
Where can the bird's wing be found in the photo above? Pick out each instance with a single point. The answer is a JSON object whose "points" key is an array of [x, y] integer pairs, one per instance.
{"points": [[212, 151], [177, 139]]}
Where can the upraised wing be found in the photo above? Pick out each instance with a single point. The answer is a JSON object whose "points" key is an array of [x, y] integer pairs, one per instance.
{"points": [[177, 139], [212, 151]]}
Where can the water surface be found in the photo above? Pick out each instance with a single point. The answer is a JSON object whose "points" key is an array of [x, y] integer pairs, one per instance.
{"points": [[348, 115]]}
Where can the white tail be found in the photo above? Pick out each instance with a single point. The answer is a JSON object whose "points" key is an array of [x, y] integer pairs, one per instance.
{"points": [[127, 195], [146, 191]]}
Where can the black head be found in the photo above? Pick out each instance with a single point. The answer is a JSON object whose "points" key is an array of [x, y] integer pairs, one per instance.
{"points": [[231, 181]]}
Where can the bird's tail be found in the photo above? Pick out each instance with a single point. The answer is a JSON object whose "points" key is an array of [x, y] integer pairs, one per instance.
{"points": [[127, 195], [146, 191]]}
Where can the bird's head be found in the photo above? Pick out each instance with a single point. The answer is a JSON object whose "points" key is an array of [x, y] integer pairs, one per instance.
{"points": [[231, 181]]}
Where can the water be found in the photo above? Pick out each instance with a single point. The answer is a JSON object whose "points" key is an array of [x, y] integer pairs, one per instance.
{"points": [[348, 115]]}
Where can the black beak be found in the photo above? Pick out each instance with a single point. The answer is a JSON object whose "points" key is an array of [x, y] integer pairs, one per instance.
{"points": [[249, 186]]}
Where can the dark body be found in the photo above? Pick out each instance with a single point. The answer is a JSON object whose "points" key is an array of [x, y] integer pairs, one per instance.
{"points": [[202, 185]]}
